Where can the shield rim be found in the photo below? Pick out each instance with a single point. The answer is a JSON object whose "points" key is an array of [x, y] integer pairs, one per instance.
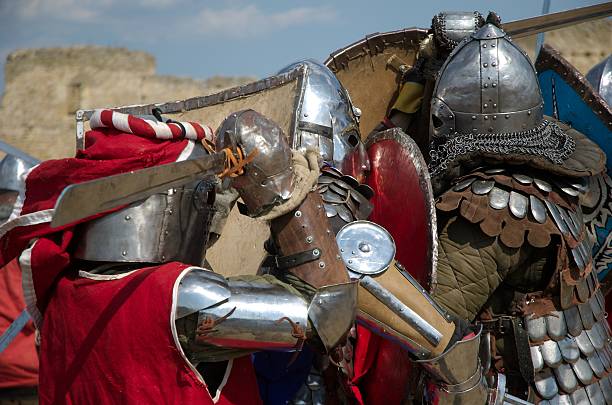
{"points": [[550, 59], [420, 165], [194, 103]]}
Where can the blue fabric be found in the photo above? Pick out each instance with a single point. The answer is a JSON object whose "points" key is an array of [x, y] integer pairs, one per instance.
{"points": [[278, 383]]}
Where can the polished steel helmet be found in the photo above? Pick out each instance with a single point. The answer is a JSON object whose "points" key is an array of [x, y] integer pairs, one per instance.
{"points": [[326, 119], [268, 179], [451, 27], [600, 76], [487, 99], [164, 227], [13, 171]]}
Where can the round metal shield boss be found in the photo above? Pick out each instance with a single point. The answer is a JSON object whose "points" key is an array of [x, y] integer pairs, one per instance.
{"points": [[365, 247]]}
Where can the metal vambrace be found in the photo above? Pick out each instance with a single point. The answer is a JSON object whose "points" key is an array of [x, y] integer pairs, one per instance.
{"points": [[256, 312], [394, 304], [455, 376]]}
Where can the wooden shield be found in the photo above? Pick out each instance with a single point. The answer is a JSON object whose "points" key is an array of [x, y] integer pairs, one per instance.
{"points": [[240, 248], [366, 70]]}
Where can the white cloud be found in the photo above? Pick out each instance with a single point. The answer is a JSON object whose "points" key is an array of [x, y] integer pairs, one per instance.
{"points": [[249, 21], [70, 10]]}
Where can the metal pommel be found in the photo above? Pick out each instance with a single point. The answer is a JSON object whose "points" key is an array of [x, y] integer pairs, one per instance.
{"points": [[268, 179], [457, 373]]}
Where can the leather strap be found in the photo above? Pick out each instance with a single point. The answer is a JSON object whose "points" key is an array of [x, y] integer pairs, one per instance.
{"points": [[294, 260]]}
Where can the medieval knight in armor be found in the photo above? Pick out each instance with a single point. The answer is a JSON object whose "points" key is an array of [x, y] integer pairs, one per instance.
{"points": [[410, 110], [514, 255]]}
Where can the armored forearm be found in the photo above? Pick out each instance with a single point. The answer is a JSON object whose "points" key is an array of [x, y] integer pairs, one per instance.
{"points": [[216, 316]]}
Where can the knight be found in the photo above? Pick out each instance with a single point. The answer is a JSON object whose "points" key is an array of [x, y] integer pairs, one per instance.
{"points": [[19, 361], [127, 307], [410, 109], [514, 255], [391, 303]]}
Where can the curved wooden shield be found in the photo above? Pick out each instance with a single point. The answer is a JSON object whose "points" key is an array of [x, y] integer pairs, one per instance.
{"points": [[276, 97], [403, 201], [570, 97], [371, 74]]}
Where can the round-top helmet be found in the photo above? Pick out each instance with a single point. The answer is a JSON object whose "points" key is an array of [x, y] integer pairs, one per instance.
{"points": [[327, 119], [487, 99], [13, 170]]}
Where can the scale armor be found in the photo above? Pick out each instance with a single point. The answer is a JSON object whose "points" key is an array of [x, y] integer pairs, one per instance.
{"points": [[569, 344]]}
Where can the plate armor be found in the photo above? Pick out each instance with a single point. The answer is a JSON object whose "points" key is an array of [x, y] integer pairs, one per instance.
{"points": [[514, 252], [390, 301], [600, 76]]}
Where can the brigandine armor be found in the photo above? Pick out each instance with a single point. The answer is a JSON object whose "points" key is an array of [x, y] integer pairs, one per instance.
{"points": [[515, 254]]}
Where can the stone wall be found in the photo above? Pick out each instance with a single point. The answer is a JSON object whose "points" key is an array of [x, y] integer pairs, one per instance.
{"points": [[44, 88], [583, 45]]}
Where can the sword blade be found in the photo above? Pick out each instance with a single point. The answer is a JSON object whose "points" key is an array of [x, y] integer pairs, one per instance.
{"points": [[82, 200], [549, 22], [11, 150]]}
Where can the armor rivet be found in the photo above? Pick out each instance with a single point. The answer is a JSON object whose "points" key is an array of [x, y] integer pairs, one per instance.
{"points": [[493, 64], [127, 217], [507, 116], [485, 105], [350, 261], [494, 85], [316, 252], [484, 46], [309, 239], [485, 64], [305, 114], [321, 265], [486, 85], [528, 112], [494, 105], [298, 213], [364, 247], [486, 118], [492, 45], [488, 35], [166, 232], [163, 257], [495, 117], [342, 250], [473, 117], [170, 212], [124, 253]]}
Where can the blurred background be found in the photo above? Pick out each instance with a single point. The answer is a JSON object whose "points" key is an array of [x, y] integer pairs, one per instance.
{"points": [[62, 55]]}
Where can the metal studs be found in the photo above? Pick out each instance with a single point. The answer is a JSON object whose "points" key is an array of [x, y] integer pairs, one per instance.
{"points": [[463, 184], [536, 358], [572, 319], [566, 377], [481, 187], [537, 209], [473, 117], [546, 385], [127, 217], [494, 84], [506, 116], [124, 253], [551, 353], [523, 179], [485, 64], [542, 185], [493, 64], [583, 371], [298, 213], [498, 198], [495, 170], [309, 239], [485, 106], [518, 204], [569, 349]]}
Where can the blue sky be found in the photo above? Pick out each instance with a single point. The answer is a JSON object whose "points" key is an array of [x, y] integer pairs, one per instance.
{"points": [[228, 37]]}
